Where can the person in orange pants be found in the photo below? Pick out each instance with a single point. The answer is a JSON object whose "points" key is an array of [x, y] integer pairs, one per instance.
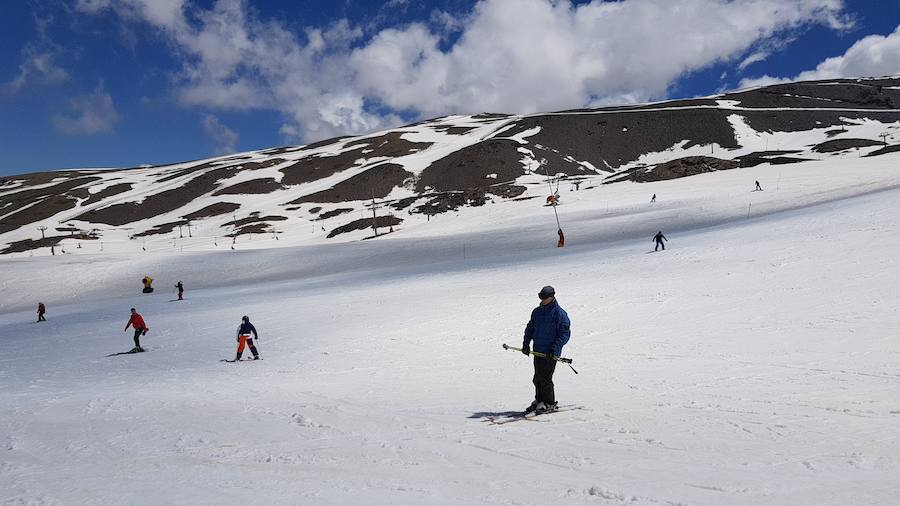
{"points": [[243, 337]]}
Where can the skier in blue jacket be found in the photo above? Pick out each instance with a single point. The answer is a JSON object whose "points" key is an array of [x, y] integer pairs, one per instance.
{"points": [[245, 334], [548, 328]]}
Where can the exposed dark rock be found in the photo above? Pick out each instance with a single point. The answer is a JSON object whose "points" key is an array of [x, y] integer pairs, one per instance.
{"points": [[326, 142], [364, 223], [334, 212], [154, 205], [746, 161], [252, 187], [256, 228], [314, 210], [796, 121], [842, 144], [506, 191], [252, 219], [682, 167], [23, 196], [217, 209], [376, 182], [40, 211], [404, 202], [450, 201], [470, 166], [32, 244], [109, 191], [618, 138], [183, 172], [313, 168], [490, 115], [453, 130], [160, 229], [885, 150]]}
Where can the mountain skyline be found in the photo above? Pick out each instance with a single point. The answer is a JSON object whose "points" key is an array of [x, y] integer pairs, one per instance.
{"points": [[118, 83]]}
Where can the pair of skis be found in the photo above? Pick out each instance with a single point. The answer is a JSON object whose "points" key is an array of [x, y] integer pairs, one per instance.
{"points": [[502, 419]]}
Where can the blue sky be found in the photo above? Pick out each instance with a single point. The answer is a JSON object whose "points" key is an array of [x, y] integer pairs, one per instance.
{"points": [[118, 83]]}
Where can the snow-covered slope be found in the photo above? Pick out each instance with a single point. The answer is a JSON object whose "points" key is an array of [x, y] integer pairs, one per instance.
{"points": [[753, 362], [322, 193]]}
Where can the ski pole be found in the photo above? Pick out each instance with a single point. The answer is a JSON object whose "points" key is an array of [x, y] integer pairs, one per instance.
{"points": [[567, 361]]}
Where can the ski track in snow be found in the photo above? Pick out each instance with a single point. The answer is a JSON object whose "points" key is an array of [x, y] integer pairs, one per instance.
{"points": [[754, 361]]}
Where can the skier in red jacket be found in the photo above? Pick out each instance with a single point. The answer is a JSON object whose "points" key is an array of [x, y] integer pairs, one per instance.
{"points": [[140, 328]]}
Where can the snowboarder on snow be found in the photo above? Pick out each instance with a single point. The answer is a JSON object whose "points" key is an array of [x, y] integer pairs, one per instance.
{"points": [[140, 328], [659, 238], [548, 328], [243, 337], [147, 281], [653, 198], [180, 288], [758, 187], [41, 310]]}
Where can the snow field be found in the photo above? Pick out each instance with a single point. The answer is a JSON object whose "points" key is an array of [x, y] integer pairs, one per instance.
{"points": [[753, 362]]}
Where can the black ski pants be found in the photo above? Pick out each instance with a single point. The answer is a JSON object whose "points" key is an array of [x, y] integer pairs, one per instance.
{"points": [[658, 244], [137, 337], [543, 380]]}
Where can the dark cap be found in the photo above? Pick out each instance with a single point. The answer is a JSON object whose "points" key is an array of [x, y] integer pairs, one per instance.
{"points": [[546, 292]]}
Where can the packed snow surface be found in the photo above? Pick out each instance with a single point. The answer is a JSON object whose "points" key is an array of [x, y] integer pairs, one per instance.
{"points": [[755, 361]]}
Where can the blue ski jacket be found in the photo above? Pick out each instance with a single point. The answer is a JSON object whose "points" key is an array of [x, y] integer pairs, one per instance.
{"points": [[247, 328], [548, 328]]}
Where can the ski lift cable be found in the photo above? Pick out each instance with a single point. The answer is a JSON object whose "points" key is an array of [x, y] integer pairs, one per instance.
{"points": [[550, 185]]}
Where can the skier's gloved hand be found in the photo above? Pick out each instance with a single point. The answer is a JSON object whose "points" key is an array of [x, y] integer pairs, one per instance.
{"points": [[526, 349]]}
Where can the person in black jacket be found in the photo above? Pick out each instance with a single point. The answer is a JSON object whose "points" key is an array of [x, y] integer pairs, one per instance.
{"points": [[548, 329], [180, 288], [659, 238], [243, 337]]}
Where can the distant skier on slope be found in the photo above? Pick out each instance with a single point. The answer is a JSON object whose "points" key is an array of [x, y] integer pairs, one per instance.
{"points": [[41, 310], [548, 328], [140, 328], [653, 198], [180, 288], [147, 281], [659, 238], [758, 187], [243, 337]]}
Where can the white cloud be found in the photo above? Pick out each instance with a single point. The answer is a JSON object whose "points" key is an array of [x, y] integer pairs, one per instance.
{"points": [[224, 137], [88, 114], [38, 65], [872, 56], [510, 56]]}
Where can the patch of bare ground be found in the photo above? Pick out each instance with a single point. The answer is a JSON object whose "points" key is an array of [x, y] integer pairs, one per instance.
{"points": [[252, 219], [163, 228], [376, 182], [217, 209], [885, 150], [252, 187], [109, 191], [682, 167], [33, 244], [364, 223], [157, 204], [316, 167], [334, 212], [835, 145], [618, 138], [23, 207], [256, 228]]}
